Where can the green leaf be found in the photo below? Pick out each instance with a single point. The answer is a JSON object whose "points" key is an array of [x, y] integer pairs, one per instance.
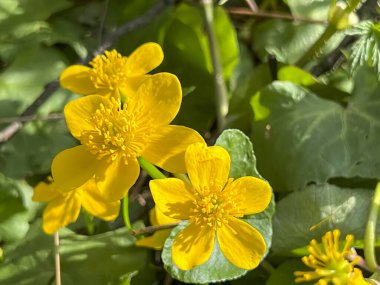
{"points": [[14, 214], [317, 10], [102, 259], [296, 75], [186, 43], [288, 41], [24, 79], [39, 142], [243, 160], [218, 268], [367, 48], [308, 139], [284, 274], [307, 214]]}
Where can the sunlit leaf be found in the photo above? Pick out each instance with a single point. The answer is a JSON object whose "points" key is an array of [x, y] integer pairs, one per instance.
{"points": [[307, 214], [305, 138]]}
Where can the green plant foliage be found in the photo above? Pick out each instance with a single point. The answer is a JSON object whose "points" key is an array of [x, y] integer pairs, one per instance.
{"points": [[218, 268], [367, 48], [107, 258], [185, 40], [307, 214], [284, 273], [16, 209], [243, 160], [299, 122], [24, 23], [41, 141], [311, 129]]}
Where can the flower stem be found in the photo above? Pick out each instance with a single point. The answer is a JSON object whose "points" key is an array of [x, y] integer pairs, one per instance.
{"points": [[57, 259], [220, 86], [150, 169], [183, 177], [331, 29], [370, 232], [89, 219], [125, 206]]}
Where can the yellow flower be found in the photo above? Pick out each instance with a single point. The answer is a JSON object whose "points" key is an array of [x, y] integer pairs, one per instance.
{"points": [[64, 206], [113, 136], [329, 262], [213, 204], [157, 240], [111, 73]]}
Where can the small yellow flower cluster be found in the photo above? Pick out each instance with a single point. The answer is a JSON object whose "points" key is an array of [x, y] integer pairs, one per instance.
{"points": [[127, 115], [330, 263]]}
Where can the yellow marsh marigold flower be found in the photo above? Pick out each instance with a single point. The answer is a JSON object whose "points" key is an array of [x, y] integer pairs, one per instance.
{"points": [[111, 73], [329, 262], [113, 136], [64, 206], [157, 240], [213, 204]]}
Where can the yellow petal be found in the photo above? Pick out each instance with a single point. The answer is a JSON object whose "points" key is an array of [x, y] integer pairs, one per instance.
{"points": [[207, 166], [116, 178], [45, 192], [144, 59], [157, 99], [173, 197], [73, 167], [76, 78], [162, 219], [193, 246], [61, 212], [131, 85], [94, 203], [167, 146], [79, 113], [253, 194], [241, 243], [155, 241]]}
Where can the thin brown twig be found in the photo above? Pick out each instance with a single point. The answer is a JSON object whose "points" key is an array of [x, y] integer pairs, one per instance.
{"points": [[23, 119], [52, 86], [274, 15], [252, 4], [152, 229], [57, 259]]}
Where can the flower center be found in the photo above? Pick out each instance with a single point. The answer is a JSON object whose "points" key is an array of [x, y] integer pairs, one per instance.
{"points": [[117, 133], [330, 263], [213, 206], [108, 70]]}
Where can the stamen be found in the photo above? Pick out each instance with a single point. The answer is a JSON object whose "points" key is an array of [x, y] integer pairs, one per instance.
{"points": [[109, 70]]}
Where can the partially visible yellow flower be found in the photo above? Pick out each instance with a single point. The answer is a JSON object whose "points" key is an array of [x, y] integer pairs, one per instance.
{"points": [[213, 204], [113, 136], [64, 206], [111, 73], [329, 262], [157, 240]]}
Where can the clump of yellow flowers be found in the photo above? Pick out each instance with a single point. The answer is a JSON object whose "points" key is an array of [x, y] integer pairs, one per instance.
{"points": [[330, 263], [125, 117]]}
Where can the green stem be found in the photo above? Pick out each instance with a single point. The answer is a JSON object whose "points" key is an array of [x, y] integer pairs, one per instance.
{"points": [[125, 206], [267, 266], [370, 231], [89, 219], [220, 86], [331, 29], [150, 169], [317, 46], [183, 177]]}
